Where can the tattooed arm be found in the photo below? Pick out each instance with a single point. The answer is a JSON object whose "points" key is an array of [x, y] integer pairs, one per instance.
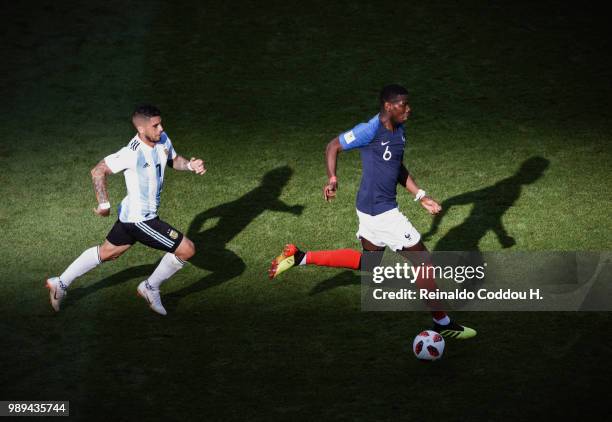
{"points": [[181, 163], [98, 175]]}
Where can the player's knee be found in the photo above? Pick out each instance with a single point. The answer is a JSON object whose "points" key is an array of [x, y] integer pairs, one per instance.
{"points": [[109, 257], [109, 254], [192, 249], [186, 249], [105, 254]]}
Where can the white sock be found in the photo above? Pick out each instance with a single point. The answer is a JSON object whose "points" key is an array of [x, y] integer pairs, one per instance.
{"points": [[88, 260], [443, 321], [168, 265]]}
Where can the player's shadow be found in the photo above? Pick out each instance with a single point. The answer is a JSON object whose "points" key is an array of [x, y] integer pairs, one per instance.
{"points": [[211, 251], [141, 272], [345, 278], [489, 206]]}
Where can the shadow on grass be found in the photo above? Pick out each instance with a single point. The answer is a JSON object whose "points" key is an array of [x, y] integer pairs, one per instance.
{"points": [[140, 272], [345, 278], [211, 251], [489, 206]]}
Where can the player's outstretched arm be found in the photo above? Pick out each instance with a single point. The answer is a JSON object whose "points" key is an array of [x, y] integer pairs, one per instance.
{"points": [[98, 176], [195, 164], [331, 158]]}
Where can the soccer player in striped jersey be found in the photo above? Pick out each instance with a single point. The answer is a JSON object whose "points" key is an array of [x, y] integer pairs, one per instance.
{"points": [[381, 142], [143, 163]]}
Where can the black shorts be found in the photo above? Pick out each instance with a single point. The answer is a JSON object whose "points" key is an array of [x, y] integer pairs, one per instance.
{"points": [[154, 233]]}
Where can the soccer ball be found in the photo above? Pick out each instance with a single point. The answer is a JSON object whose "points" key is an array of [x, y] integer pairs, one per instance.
{"points": [[428, 345]]}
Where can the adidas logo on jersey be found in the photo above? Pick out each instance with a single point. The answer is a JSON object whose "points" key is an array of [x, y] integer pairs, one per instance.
{"points": [[145, 165], [134, 144]]}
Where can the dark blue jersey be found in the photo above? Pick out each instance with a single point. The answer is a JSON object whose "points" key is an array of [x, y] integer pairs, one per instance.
{"points": [[382, 154]]}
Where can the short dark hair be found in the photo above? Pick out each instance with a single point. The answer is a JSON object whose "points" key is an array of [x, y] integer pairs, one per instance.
{"points": [[390, 92], [146, 110]]}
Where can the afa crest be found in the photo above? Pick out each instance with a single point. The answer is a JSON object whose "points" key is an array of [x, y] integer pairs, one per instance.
{"points": [[173, 234]]}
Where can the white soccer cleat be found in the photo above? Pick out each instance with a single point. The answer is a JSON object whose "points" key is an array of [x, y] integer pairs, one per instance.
{"points": [[152, 296], [56, 293]]}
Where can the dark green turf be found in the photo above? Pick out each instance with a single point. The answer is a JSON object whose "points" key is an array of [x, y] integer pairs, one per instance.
{"points": [[257, 91]]}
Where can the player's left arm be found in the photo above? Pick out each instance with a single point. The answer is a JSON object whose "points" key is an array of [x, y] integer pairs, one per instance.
{"points": [[195, 164], [178, 162], [405, 179]]}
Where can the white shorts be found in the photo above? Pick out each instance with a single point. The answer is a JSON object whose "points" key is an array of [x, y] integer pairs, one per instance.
{"points": [[391, 228]]}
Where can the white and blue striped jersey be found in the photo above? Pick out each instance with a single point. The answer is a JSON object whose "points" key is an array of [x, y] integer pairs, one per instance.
{"points": [[144, 169]]}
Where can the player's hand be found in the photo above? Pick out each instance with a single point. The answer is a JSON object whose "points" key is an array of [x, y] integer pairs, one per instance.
{"points": [[329, 190], [198, 166], [430, 205], [102, 212]]}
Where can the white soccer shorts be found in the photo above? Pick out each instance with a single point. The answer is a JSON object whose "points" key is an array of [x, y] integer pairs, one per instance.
{"points": [[391, 228]]}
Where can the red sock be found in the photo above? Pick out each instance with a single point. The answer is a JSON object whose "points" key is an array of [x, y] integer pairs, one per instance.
{"points": [[438, 315], [341, 258]]}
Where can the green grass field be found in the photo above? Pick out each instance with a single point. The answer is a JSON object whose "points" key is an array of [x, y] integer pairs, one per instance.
{"points": [[257, 90]]}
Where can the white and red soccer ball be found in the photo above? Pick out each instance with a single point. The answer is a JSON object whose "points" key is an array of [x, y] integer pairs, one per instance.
{"points": [[428, 345]]}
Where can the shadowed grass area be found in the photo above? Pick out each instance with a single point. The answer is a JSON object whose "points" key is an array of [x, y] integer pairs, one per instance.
{"points": [[254, 88]]}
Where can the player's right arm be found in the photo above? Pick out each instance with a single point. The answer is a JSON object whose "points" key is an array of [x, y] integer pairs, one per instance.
{"points": [[331, 158], [98, 176], [359, 136], [123, 159]]}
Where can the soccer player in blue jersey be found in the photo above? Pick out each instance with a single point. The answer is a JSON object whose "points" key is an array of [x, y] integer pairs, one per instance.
{"points": [[143, 163], [381, 142]]}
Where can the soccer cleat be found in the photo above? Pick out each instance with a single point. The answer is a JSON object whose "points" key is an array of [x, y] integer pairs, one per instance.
{"points": [[454, 330], [56, 292], [284, 261], [152, 297]]}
